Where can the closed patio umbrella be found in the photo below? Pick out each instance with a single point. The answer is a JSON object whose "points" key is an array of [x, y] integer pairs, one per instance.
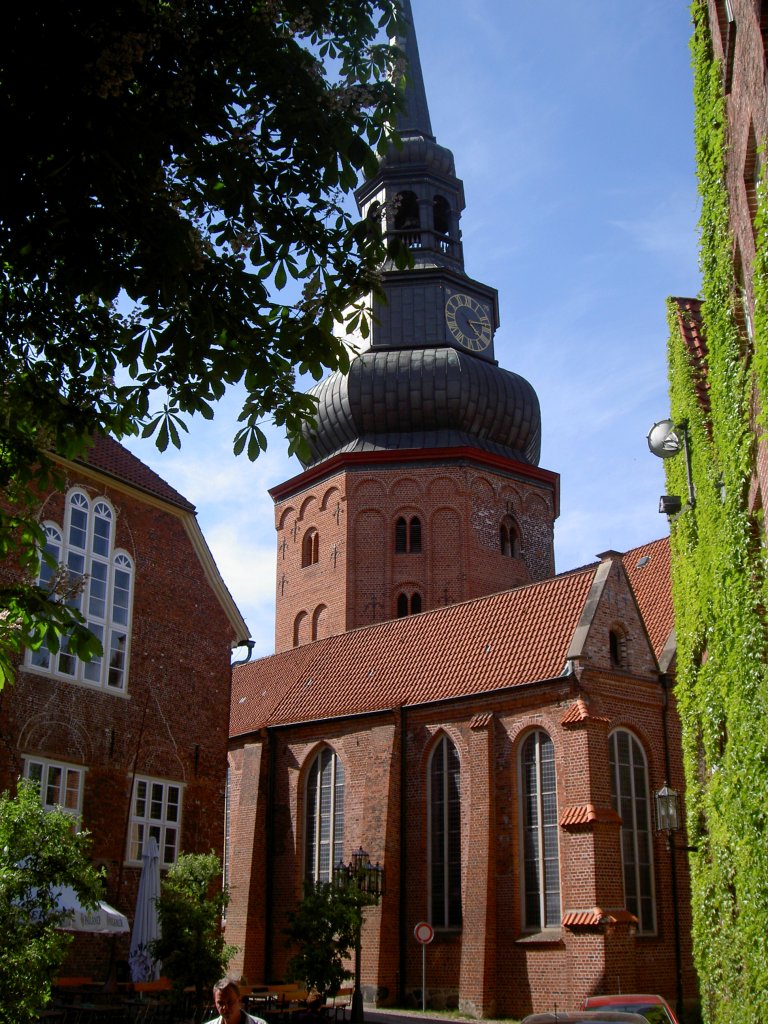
{"points": [[146, 924]]}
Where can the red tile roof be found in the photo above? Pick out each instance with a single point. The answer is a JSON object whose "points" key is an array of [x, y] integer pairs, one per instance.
{"points": [[508, 639], [580, 712], [596, 916], [649, 572], [111, 458], [587, 814]]}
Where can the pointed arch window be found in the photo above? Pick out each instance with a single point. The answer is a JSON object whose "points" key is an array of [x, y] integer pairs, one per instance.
{"points": [[324, 816], [444, 803], [310, 548], [629, 791], [541, 850], [100, 580], [408, 535]]}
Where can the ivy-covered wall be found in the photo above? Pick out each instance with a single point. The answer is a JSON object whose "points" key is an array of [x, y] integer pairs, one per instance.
{"points": [[719, 584]]}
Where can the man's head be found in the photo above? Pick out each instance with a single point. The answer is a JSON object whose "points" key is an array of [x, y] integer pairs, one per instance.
{"points": [[226, 998]]}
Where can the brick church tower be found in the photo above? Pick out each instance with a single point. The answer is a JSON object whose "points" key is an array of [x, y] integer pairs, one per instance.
{"points": [[422, 488]]}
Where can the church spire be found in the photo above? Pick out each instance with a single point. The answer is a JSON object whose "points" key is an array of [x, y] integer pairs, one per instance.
{"points": [[413, 120]]}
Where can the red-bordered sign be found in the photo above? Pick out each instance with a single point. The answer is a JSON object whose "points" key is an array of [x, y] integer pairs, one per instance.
{"points": [[424, 932]]}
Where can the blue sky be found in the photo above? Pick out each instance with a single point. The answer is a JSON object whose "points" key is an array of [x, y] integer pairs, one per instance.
{"points": [[571, 124]]}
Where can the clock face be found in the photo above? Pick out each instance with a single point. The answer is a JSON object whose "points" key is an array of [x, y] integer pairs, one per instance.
{"points": [[468, 321]]}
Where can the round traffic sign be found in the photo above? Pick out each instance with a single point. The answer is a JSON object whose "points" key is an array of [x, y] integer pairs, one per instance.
{"points": [[424, 932]]}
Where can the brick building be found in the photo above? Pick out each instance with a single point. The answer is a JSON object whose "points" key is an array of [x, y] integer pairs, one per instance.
{"points": [[132, 744], [492, 734]]}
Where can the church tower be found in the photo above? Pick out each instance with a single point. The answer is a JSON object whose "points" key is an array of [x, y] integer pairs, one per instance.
{"points": [[423, 486]]}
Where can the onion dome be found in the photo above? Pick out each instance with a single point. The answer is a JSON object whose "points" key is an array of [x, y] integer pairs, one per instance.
{"points": [[424, 398]]}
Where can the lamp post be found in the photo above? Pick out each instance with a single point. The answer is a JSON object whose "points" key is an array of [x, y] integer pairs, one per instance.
{"points": [[367, 881], [668, 820]]}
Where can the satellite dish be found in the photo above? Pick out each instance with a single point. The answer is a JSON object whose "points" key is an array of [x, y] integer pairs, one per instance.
{"points": [[664, 439]]}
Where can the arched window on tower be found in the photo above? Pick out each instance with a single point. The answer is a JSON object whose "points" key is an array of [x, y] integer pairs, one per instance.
{"points": [[509, 538], [324, 816], [441, 213], [408, 535], [629, 792], [408, 604], [444, 858], [541, 852], [310, 548], [407, 219]]}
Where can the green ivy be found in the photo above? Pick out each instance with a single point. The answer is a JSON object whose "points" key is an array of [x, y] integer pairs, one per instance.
{"points": [[719, 587]]}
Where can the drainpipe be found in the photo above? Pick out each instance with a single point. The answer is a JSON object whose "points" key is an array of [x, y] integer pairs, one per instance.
{"points": [[402, 925], [664, 680], [250, 644]]}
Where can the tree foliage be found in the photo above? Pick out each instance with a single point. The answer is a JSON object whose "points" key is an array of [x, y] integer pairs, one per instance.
{"points": [[173, 222], [38, 851], [191, 904], [323, 928]]}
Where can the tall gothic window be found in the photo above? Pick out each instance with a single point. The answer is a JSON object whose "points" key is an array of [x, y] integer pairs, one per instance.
{"points": [[100, 582], [324, 818], [629, 790], [444, 802], [541, 856]]}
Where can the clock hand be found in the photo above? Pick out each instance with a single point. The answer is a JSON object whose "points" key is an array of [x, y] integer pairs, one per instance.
{"points": [[478, 325]]}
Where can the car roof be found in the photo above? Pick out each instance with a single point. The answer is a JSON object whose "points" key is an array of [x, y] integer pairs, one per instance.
{"points": [[626, 997], [592, 1016]]}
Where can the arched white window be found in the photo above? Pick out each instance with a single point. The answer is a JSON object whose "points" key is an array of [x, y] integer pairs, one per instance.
{"points": [[629, 790], [100, 586], [324, 816], [444, 803], [541, 853]]}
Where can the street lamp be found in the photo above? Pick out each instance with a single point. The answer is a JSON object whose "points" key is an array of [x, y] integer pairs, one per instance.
{"points": [[367, 880], [668, 820]]}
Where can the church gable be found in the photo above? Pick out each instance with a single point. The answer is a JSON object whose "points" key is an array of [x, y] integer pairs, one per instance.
{"points": [[612, 636]]}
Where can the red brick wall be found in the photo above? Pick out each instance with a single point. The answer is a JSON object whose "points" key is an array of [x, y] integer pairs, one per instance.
{"points": [[490, 965], [359, 575], [171, 723]]}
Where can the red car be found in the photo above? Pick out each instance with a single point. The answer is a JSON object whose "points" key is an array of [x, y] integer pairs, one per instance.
{"points": [[654, 1008]]}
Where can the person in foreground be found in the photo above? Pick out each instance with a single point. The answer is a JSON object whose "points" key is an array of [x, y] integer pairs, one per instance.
{"points": [[226, 999]]}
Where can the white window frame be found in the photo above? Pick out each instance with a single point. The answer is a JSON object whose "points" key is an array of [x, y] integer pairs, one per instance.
{"points": [[444, 917], [106, 598], [155, 812], [324, 820], [546, 879], [631, 832], [45, 778]]}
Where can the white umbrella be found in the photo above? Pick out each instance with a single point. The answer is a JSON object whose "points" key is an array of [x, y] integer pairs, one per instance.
{"points": [[103, 918], [146, 925]]}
